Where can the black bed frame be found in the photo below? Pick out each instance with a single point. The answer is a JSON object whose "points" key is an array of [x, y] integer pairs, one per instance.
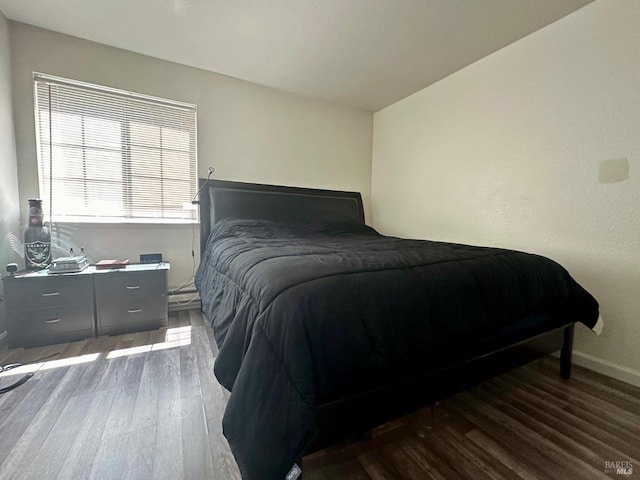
{"points": [[349, 417]]}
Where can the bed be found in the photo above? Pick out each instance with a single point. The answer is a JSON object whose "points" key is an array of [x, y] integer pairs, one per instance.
{"points": [[326, 328]]}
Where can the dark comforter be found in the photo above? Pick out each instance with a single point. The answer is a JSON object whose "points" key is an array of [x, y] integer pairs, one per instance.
{"points": [[304, 314]]}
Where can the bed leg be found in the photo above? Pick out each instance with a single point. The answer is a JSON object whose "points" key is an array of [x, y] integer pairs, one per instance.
{"points": [[432, 416], [566, 352]]}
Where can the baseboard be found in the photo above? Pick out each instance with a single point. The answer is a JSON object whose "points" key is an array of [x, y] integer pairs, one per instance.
{"points": [[610, 369]]}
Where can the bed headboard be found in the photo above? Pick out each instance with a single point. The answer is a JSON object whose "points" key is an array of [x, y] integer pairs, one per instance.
{"points": [[224, 199]]}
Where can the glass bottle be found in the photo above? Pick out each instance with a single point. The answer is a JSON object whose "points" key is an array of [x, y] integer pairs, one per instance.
{"points": [[37, 238]]}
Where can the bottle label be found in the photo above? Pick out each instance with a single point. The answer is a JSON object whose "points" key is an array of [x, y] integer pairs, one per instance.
{"points": [[38, 254], [36, 216]]}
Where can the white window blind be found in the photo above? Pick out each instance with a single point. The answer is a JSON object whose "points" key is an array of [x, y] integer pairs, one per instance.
{"points": [[106, 155]]}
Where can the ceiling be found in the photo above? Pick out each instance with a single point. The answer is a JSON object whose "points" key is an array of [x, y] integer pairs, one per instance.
{"points": [[363, 53]]}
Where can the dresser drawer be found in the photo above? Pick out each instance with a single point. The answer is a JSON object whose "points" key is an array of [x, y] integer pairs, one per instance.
{"points": [[52, 291], [130, 286], [147, 314], [45, 326], [129, 301]]}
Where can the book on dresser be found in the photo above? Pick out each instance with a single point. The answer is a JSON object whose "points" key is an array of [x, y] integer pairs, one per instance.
{"points": [[108, 264]]}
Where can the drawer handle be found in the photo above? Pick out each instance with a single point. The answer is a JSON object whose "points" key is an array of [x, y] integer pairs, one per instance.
{"points": [[133, 287], [135, 310], [53, 320], [52, 294]]}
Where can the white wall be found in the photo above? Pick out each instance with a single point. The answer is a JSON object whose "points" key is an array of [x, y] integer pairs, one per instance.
{"points": [[247, 132], [536, 147], [9, 210]]}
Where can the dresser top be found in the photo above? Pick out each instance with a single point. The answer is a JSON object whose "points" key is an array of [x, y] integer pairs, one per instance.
{"points": [[132, 267]]}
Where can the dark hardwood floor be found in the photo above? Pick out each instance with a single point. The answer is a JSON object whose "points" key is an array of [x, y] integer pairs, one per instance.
{"points": [[147, 406]]}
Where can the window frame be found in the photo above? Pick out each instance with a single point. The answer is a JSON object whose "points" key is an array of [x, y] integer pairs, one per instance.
{"points": [[127, 203]]}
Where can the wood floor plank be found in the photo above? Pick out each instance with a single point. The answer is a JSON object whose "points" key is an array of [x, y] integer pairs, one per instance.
{"points": [[583, 446], [388, 462], [128, 455], [73, 349], [48, 462], [197, 461], [522, 466], [112, 374], [625, 398], [430, 464], [111, 455], [346, 468], [110, 461], [592, 438], [81, 453], [196, 318], [475, 462], [158, 336], [95, 371], [140, 453], [120, 417], [43, 420], [214, 400], [585, 405], [184, 318], [552, 457], [462, 461], [19, 410], [8, 402], [168, 458], [147, 398], [36, 354], [145, 409], [512, 438]]}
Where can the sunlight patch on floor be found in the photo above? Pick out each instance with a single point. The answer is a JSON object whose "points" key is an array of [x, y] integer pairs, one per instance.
{"points": [[63, 362], [175, 337]]}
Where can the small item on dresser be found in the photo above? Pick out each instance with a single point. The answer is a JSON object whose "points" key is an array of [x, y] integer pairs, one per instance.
{"points": [[69, 264], [150, 258], [107, 264]]}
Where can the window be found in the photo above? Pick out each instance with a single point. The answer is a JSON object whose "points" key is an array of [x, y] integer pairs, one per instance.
{"points": [[106, 155]]}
